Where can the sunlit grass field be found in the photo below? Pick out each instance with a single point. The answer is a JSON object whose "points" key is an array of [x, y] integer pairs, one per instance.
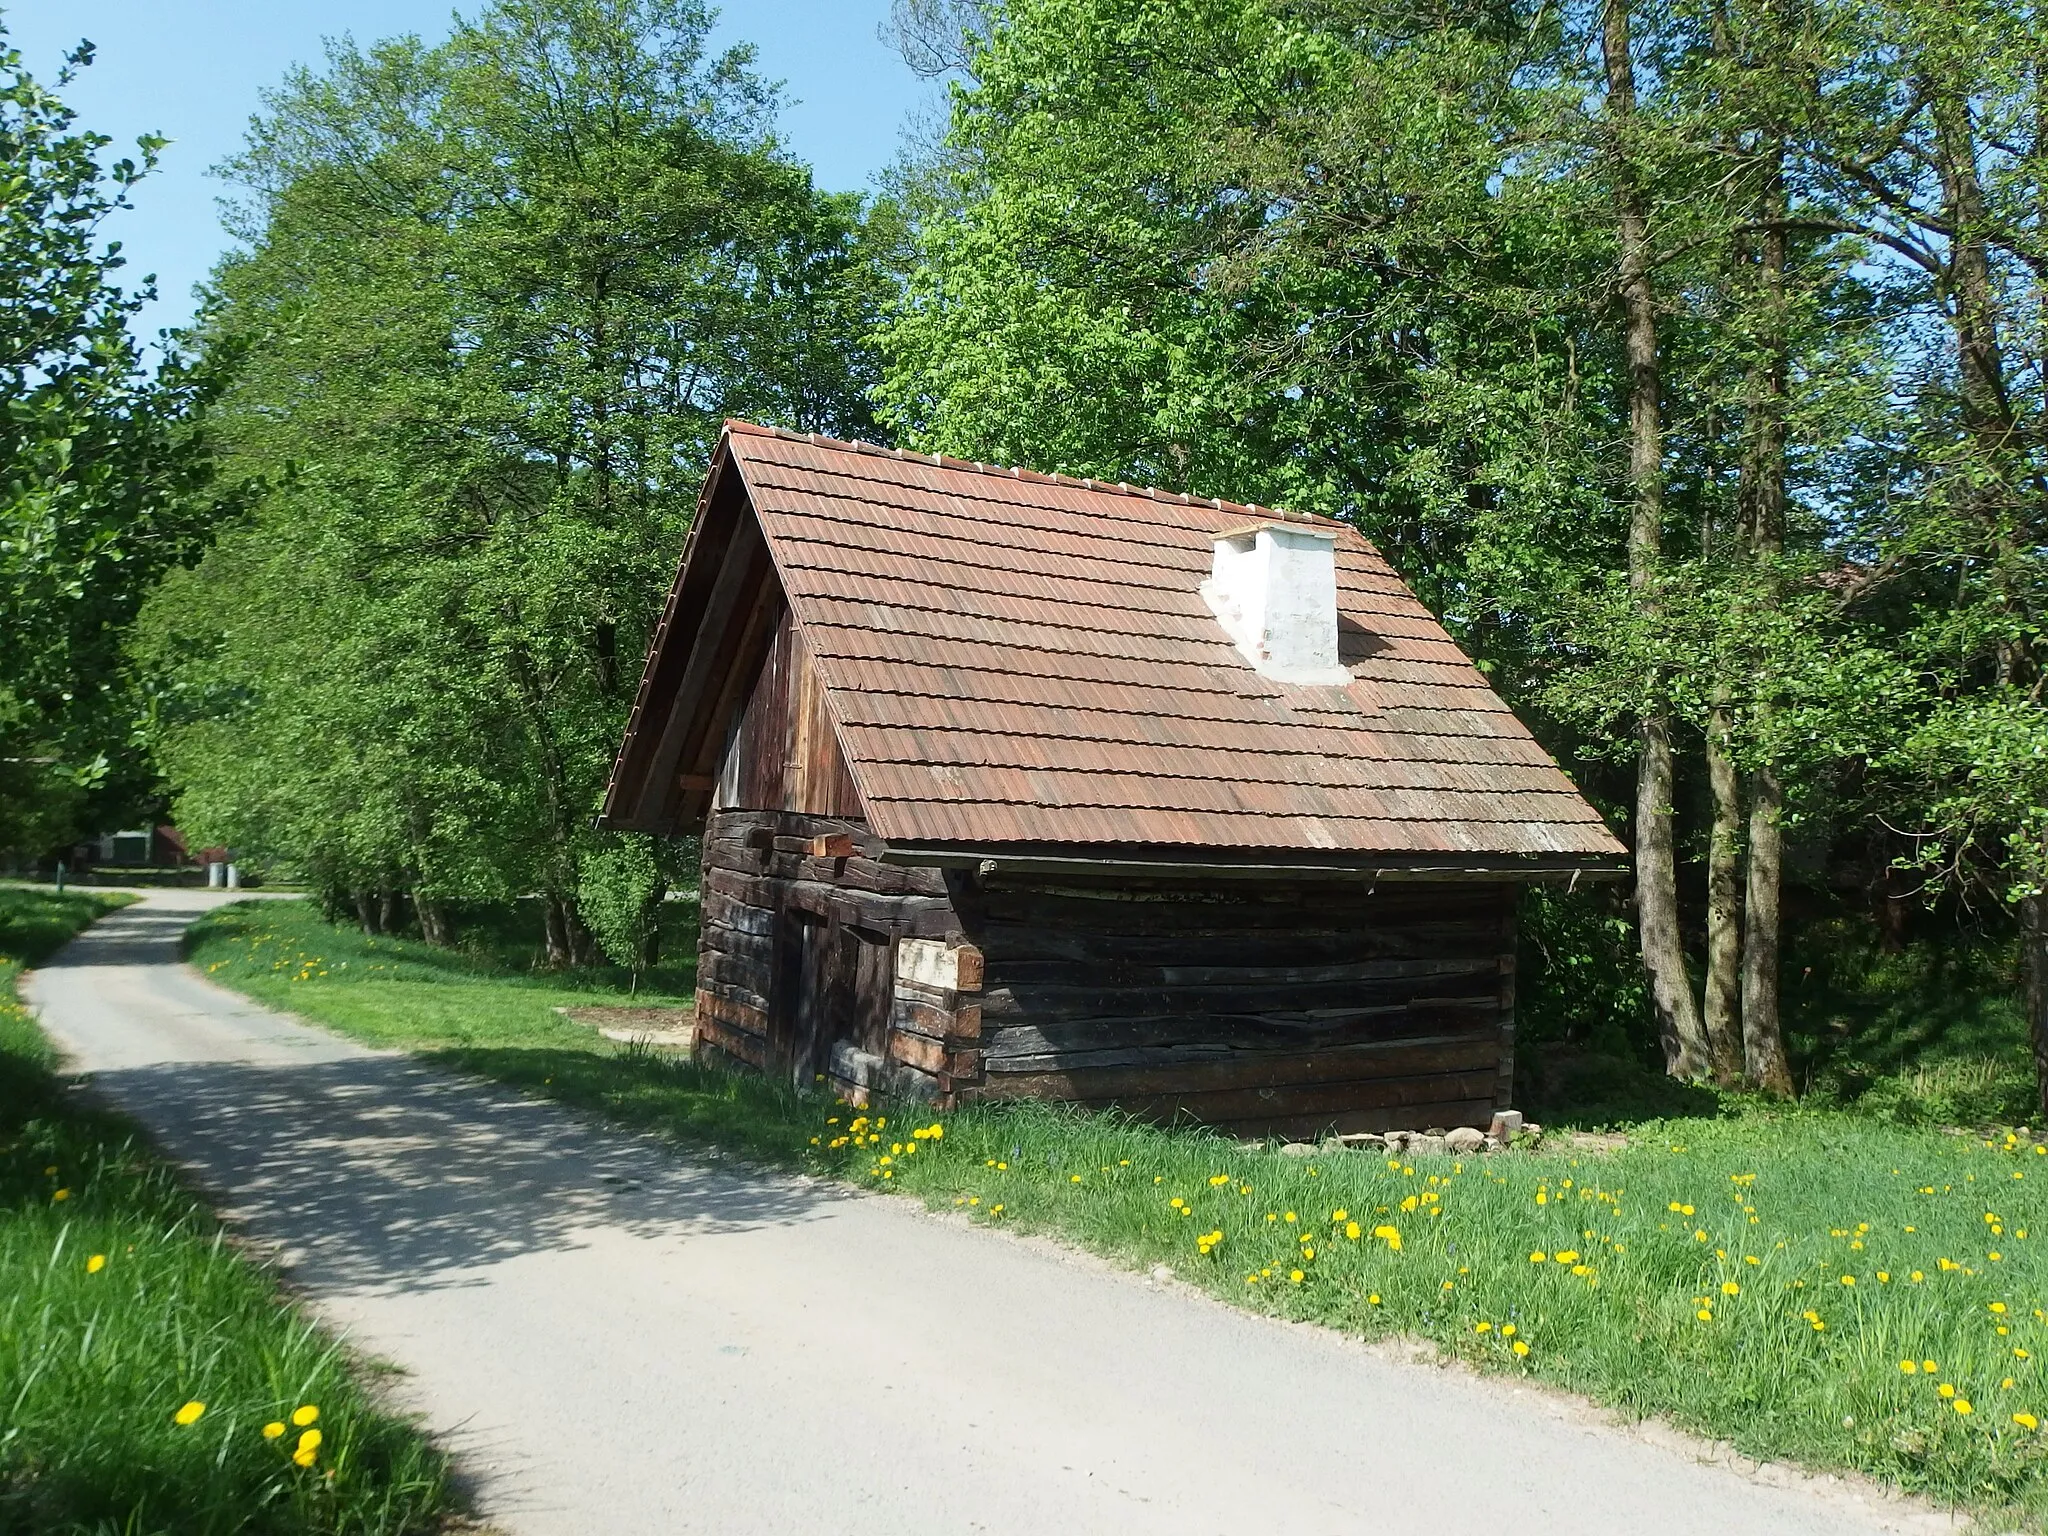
{"points": [[395, 991], [1814, 1287], [151, 1380]]}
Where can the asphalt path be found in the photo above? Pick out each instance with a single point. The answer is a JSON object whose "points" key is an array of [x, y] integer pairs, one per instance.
{"points": [[615, 1336]]}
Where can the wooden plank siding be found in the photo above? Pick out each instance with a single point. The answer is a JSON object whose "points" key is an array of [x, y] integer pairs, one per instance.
{"points": [[1255, 1008], [785, 750]]}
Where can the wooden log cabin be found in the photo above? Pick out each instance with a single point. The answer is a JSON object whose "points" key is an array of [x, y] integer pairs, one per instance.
{"points": [[1014, 785]]}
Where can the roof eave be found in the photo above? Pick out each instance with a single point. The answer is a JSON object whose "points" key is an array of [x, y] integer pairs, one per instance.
{"points": [[1258, 863]]}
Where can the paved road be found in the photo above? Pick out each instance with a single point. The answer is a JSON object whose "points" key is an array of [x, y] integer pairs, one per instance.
{"points": [[614, 1337]]}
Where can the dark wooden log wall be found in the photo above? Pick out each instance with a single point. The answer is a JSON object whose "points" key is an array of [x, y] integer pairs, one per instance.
{"points": [[802, 933], [1259, 1009], [803, 929]]}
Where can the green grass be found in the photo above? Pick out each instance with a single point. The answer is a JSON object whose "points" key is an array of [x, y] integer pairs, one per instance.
{"points": [[97, 1358], [396, 991], [1793, 1364]]}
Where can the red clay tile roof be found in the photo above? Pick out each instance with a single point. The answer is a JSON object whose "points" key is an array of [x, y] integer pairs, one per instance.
{"points": [[1024, 659]]}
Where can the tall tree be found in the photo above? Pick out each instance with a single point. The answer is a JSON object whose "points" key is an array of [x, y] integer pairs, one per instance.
{"points": [[103, 469], [1656, 859], [498, 295]]}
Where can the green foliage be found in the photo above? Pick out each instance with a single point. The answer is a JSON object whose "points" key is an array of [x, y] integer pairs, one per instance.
{"points": [[1578, 978], [499, 294], [1930, 1032], [104, 473], [100, 1356], [624, 887], [1362, 260]]}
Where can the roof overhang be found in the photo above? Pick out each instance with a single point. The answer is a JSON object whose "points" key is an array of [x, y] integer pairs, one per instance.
{"points": [[1252, 864]]}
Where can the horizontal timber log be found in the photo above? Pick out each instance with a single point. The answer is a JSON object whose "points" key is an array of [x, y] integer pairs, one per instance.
{"points": [[1309, 944], [932, 1056], [1264, 1032], [1047, 1002], [916, 1016], [1122, 970], [746, 989], [737, 1043]]}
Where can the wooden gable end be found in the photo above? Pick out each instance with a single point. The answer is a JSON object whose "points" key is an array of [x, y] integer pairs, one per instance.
{"points": [[784, 752], [730, 692]]}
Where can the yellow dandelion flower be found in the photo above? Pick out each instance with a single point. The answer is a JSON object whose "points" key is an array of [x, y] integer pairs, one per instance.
{"points": [[96, 1263], [2026, 1421], [1520, 1347], [1296, 1276], [1909, 1366], [189, 1414], [274, 1430], [1538, 1257], [1962, 1406], [1946, 1389], [1730, 1288]]}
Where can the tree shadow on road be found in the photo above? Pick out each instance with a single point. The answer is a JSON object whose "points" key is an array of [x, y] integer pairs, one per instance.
{"points": [[381, 1171]]}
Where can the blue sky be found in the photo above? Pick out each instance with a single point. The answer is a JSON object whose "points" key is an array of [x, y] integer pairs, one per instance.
{"points": [[193, 70]]}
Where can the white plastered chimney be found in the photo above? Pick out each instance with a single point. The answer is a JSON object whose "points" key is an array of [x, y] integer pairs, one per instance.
{"points": [[1273, 587]]}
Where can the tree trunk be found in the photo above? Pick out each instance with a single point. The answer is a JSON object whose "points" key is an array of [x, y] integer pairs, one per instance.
{"points": [[561, 952], [1763, 1037], [435, 926], [2034, 936], [1723, 993], [1678, 1020], [1987, 406], [650, 925], [570, 943], [366, 912], [389, 906], [1762, 496]]}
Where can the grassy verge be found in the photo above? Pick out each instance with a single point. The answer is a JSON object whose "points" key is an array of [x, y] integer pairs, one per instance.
{"points": [[121, 1307], [1815, 1286]]}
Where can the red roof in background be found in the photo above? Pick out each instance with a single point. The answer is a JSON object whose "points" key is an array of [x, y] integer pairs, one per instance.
{"points": [[1024, 659]]}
